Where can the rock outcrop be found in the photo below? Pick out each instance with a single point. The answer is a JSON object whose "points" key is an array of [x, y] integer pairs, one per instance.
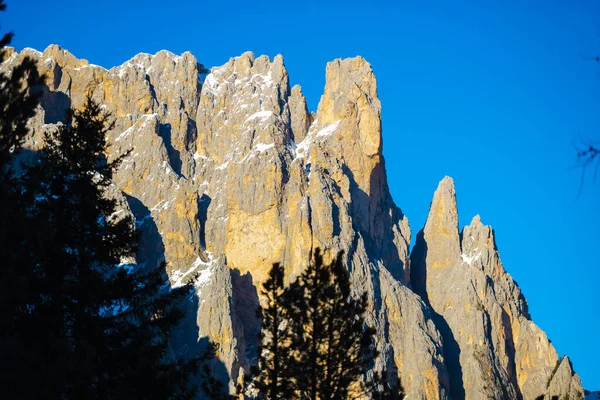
{"points": [[493, 348], [229, 172]]}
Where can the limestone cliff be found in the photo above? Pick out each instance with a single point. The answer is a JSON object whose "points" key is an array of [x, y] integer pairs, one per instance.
{"points": [[230, 172]]}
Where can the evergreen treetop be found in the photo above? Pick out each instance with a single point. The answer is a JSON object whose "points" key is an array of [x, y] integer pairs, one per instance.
{"points": [[107, 320], [315, 343]]}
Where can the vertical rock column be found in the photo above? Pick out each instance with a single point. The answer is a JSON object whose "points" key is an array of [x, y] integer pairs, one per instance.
{"points": [[492, 348]]}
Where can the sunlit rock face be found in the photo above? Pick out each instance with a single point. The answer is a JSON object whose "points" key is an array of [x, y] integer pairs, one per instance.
{"points": [[229, 172], [492, 347]]}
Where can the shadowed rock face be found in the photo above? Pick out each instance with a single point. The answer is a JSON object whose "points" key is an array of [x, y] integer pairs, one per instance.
{"points": [[229, 173]]}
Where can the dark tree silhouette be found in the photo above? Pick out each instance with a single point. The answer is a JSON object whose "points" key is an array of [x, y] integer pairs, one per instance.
{"points": [[273, 379], [19, 97], [75, 321], [106, 323], [315, 343], [334, 347]]}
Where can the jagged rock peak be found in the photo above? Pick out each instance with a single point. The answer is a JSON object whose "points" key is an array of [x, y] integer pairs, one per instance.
{"points": [[351, 91], [446, 190], [63, 57], [442, 223], [445, 197], [301, 118], [246, 102], [476, 221], [492, 348], [564, 383], [247, 63], [341, 76]]}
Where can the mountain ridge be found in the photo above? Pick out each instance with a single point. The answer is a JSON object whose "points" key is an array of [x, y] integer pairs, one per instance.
{"points": [[243, 176]]}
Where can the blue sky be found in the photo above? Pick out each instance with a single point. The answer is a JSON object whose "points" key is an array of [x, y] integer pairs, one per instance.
{"points": [[492, 93]]}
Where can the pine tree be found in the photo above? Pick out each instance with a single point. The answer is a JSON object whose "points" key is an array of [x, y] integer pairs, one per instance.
{"points": [[272, 373], [315, 344], [106, 324], [74, 321], [334, 346], [19, 97]]}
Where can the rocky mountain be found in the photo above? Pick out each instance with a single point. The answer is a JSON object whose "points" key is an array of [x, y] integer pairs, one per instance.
{"points": [[229, 172]]}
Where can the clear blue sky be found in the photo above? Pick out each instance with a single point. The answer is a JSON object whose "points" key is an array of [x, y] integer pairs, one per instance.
{"points": [[492, 93]]}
